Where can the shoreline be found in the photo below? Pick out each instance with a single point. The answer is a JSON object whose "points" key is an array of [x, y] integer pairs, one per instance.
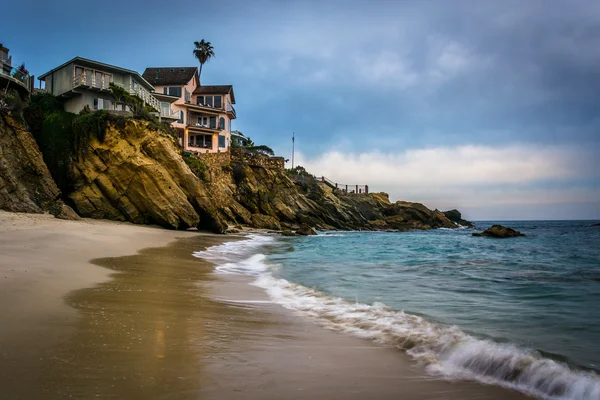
{"points": [[158, 322], [42, 261]]}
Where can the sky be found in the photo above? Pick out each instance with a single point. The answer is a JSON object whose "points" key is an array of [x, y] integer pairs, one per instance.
{"points": [[488, 107]]}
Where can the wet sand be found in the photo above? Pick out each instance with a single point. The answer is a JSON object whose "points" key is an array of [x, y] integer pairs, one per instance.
{"points": [[164, 326]]}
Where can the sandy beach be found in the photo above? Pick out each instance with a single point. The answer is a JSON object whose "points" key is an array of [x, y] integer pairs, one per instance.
{"points": [[146, 320]]}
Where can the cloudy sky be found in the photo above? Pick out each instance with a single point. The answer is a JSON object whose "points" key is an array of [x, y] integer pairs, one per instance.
{"points": [[489, 107]]}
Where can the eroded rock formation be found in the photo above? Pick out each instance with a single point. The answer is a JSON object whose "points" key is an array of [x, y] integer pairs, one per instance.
{"points": [[25, 182], [138, 174]]}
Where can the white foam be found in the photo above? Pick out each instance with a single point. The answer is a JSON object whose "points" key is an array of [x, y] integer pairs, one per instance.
{"points": [[446, 351], [231, 257]]}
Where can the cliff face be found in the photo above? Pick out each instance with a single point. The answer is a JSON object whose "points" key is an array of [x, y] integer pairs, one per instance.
{"points": [[138, 174], [25, 182]]}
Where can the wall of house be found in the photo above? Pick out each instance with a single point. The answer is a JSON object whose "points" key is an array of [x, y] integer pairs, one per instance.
{"points": [[77, 103], [61, 80]]}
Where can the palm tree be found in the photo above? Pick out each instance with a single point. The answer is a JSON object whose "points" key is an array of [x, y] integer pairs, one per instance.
{"points": [[203, 51]]}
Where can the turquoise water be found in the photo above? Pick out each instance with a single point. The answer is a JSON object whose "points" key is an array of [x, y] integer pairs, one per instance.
{"points": [[521, 312]]}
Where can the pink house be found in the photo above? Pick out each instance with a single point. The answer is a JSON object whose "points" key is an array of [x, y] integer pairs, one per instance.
{"points": [[205, 112]]}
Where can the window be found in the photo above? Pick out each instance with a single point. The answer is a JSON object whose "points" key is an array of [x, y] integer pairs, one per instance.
{"points": [[210, 101], [98, 103], [180, 120], [192, 137], [172, 91], [203, 121], [213, 123], [106, 104], [222, 141], [222, 123], [119, 107]]}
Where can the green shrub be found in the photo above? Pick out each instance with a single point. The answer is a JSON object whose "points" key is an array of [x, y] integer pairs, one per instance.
{"points": [[12, 103], [197, 166]]}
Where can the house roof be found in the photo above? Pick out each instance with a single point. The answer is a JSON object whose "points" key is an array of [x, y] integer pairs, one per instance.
{"points": [[85, 62], [216, 89], [169, 75]]}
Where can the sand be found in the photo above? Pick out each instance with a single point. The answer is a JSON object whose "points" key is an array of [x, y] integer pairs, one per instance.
{"points": [[146, 320]]}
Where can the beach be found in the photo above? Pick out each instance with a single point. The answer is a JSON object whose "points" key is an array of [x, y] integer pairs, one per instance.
{"points": [[96, 309]]}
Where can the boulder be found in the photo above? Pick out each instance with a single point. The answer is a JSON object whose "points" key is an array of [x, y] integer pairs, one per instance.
{"points": [[305, 230], [499, 231], [456, 217], [287, 232]]}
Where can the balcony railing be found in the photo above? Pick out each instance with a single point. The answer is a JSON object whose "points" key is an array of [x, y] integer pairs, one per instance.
{"points": [[231, 110], [104, 84], [24, 79], [82, 80], [164, 113]]}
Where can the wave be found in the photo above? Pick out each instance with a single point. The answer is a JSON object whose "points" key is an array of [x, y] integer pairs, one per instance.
{"points": [[445, 351]]}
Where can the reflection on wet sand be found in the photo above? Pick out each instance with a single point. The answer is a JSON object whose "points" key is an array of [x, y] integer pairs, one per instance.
{"points": [[141, 334]]}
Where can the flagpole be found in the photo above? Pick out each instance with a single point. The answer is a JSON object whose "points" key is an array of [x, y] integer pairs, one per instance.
{"points": [[293, 147]]}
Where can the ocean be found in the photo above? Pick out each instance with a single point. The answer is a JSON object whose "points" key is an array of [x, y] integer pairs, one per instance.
{"points": [[523, 313]]}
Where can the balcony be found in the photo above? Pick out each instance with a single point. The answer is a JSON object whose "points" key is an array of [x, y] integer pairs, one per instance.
{"points": [[169, 114], [104, 84], [203, 128], [231, 111], [12, 78]]}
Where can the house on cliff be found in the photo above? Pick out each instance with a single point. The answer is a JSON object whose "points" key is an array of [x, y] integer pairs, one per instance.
{"points": [[81, 82], [14, 78], [205, 112]]}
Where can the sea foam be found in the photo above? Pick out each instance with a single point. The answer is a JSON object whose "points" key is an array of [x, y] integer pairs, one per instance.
{"points": [[444, 350]]}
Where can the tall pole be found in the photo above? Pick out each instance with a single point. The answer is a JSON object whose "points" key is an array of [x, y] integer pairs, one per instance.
{"points": [[293, 147]]}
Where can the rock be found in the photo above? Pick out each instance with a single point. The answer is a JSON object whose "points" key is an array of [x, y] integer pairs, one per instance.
{"points": [[287, 232], [499, 231], [455, 216], [232, 231], [265, 222], [62, 211], [25, 182], [305, 230], [595, 224]]}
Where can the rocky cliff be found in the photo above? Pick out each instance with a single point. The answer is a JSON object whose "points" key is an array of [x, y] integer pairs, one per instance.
{"points": [[135, 172], [25, 182]]}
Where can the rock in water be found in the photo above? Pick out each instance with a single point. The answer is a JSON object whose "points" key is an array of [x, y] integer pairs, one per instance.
{"points": [[499, 231], [306, 230], [455, 216]]}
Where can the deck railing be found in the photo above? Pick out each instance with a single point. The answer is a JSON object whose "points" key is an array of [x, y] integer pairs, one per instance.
{"points": [[164, 113], [25, 80], [357, 189], [104, 84], [349, 189]]}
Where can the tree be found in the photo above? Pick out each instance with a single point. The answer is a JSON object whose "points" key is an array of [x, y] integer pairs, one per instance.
{"points": [[21, 72], [203, 51]]}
